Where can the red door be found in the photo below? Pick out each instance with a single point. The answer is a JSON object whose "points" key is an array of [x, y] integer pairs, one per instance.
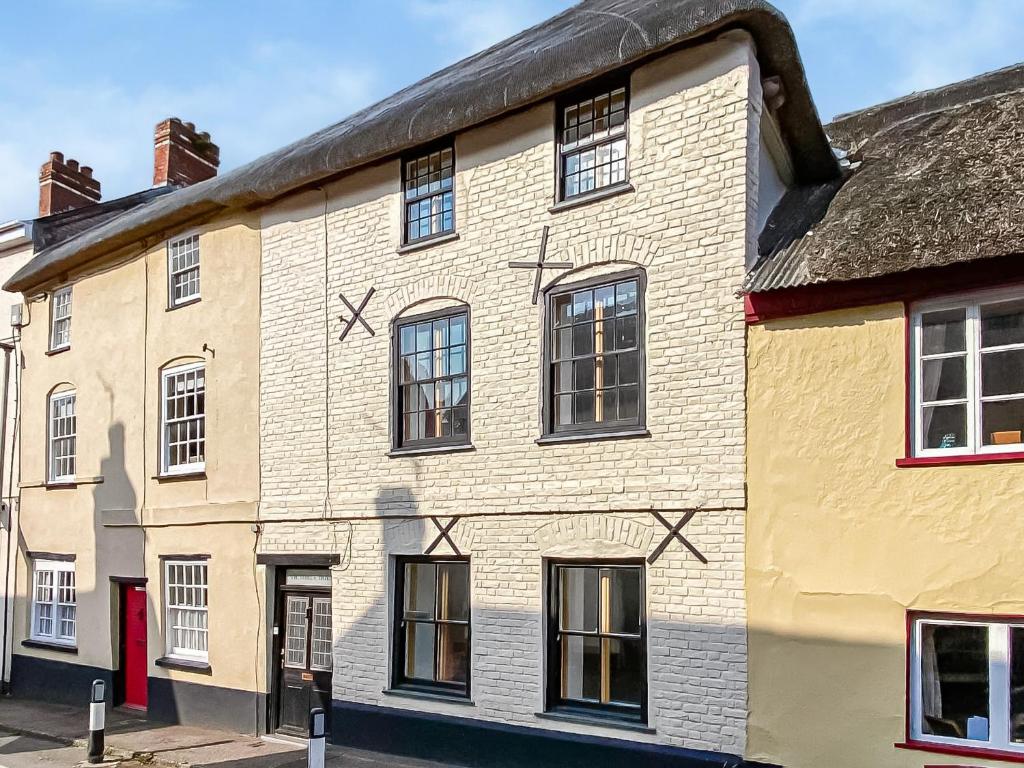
{"points": [[135, 657]]}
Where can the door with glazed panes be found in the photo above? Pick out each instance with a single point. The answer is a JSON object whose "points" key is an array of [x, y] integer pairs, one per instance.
{"points": [[304, 670]]}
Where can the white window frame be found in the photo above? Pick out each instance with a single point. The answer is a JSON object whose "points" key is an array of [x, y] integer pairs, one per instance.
{"points": [[52, 438], [60, 318], [188, 244], [166, 468], [54, 568], [174, 651], [972, 303], [998, 685]]}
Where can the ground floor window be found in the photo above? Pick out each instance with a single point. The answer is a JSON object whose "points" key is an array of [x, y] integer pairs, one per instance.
{"points": [[432, 626], [967, 682], [187, 612], [53, 602], [597, 654]]}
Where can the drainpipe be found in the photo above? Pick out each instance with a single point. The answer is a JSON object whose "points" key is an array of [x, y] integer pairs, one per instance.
{"points": [[4, 672]]}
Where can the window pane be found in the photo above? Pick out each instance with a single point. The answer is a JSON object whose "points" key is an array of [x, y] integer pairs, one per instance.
{"points": [[1002, 422], [624, 600], [452, 653], [453, 591], [408, 339], [580, 599], [629, 402], [604, 302], [943, 331], [563, 377], [583, 339], [458, 330], [584, 373], [1002, 373], [419, 651], [584, 404], [563, 410], [583, 306], [563, 310], [944, 379], [419, 590], [1002, 323], [954, 681], [581, 668], [945, 426], [295, 633], [625, 671]]}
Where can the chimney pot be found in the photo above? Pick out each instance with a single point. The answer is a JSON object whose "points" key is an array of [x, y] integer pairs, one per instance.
{"points": [[57, 157], [65, 186], [181, 155], [86, 171], [72, 164]]}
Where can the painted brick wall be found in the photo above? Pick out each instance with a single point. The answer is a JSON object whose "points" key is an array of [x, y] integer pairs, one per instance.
{"points": [[325, 404]]}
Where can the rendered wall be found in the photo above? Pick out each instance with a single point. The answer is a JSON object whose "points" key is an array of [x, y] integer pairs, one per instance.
{"points": [[841, 543]]}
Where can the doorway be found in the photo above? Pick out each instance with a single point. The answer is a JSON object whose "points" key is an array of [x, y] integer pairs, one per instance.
{"points": [[304, 648], [134, 647]]}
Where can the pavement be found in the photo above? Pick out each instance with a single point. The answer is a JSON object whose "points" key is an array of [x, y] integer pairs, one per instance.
{"points": [[38, 735]]}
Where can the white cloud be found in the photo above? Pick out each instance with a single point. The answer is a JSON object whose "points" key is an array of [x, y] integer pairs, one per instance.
{"points": [[473, 25]]}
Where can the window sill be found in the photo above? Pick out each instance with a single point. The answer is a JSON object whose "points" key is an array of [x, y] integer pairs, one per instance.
{"points": [[447, 698], [184, 303], [595, 720], [396, 453], [60, 484], [591, 197], [58, 350], [569, 437], [975, 752], [961, 459], [419, 245], [180, 476], [48, 646], [187, 665]]}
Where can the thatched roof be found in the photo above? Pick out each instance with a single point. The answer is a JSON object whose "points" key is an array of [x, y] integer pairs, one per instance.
{"points": [[588, 40], [940, 181]]}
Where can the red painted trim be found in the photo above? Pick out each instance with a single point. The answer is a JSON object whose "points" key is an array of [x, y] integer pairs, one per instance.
{"points": [[961, 459], [945, 749], [907, 286]]}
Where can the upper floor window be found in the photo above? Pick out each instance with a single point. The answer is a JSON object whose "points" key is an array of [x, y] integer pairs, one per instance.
{"points": [[595, 376], [60, 319], [968, 376], [597, 651], [432, 390], [966, 675], [187, 611], [592, 143], [63, 429], [183, 428], [432, 625], [183, 271], [428, 186], [53, 601]]}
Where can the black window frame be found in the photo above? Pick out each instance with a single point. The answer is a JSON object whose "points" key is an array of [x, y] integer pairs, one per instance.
{"points": [[598, 88], [553, 689], [399, 442], [602, 428], [419, 154], [399, 681]]}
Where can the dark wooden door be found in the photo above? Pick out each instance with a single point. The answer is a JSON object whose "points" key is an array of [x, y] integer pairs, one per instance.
{"points": [[134, 662], [304, 675]]}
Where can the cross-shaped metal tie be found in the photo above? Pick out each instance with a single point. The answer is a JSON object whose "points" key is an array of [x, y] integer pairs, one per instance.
{"points": [[674, 533], [357, 314], [443, 536], [540, 265]]}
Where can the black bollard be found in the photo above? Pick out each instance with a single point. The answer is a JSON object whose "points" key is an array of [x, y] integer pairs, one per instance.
{"points": [[317, 739], [97, 716]]}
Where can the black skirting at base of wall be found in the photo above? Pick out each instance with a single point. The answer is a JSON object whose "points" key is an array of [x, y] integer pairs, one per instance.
{"points": [[495, 745], [55, 681], [228, 709]]}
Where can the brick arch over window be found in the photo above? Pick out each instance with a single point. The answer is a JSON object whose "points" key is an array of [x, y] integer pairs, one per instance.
{"points": [[407, 298], [594, 535], [614, 250]]}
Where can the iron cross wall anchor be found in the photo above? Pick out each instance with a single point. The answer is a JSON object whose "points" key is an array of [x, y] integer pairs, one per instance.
{"points": [[674, 534], [540, 264], [443, 536], [357, 314]]}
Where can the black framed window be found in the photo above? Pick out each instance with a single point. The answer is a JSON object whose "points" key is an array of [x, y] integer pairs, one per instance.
{"points": [[595, 369], [432, 396], [432, 626], [428, 190], [597, 639], [593, 142]]}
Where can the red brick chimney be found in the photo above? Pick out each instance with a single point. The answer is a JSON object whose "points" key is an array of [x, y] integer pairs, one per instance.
{"points": [[65, 186], [181, 156]]}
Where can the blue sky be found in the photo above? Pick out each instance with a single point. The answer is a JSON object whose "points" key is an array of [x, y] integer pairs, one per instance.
{"points": [[92, 77]]}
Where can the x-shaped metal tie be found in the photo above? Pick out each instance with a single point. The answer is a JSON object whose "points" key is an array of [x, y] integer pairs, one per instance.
{"points": [[540, 265], [674, 534], [443, 536], [357, 315]]}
